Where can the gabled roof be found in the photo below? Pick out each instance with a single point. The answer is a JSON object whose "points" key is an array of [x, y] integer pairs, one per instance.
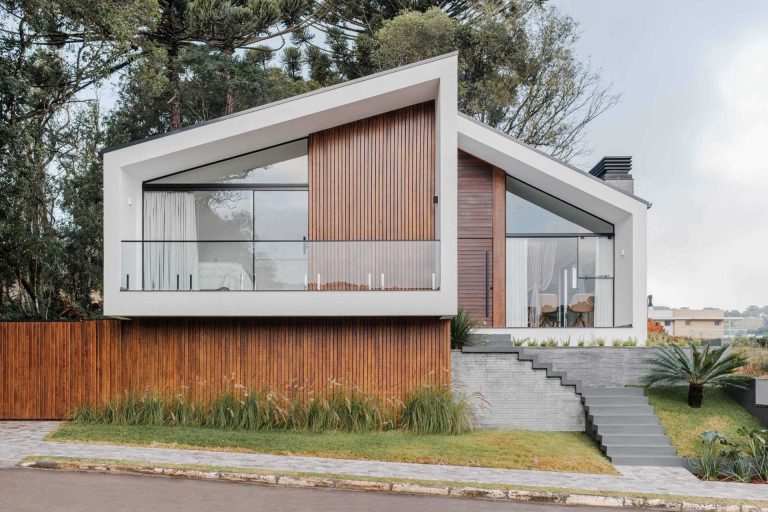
{"points": [[279, 102], [464, 125], [464, 118]]}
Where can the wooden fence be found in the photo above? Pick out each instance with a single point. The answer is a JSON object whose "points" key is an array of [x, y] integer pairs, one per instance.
{"points": [[48, 368]]}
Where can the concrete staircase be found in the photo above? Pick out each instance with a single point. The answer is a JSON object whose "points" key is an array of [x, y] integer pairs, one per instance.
{"points": [[619, 419], [626, 428]]}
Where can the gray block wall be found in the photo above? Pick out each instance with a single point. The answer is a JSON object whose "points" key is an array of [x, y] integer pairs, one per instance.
{"points": [[517, 396], [599, 366]]}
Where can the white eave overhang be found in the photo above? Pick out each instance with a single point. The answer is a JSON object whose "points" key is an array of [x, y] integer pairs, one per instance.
{"points": [[282, 121], [545, 172]]}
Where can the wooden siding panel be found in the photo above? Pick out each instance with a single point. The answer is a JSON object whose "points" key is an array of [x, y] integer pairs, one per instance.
{"points": [[475, 197], [499, 248], [374, 179], [475, 232], [475, 259], [48, 368]]}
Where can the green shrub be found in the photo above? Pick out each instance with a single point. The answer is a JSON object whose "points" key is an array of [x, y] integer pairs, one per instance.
{"points": [[519, 343], [709, 465], [581, 343], [616, 343], [533, 343], [629, 343], [462, 329], [437, 410]]}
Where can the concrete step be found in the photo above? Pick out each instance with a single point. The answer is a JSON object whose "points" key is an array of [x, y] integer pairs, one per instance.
{"points": [[492, 338], [628, 449], [633, 440], [618, 419], [630, 430], [615, 400], [624, 410], [650, 460], [590, 392]]}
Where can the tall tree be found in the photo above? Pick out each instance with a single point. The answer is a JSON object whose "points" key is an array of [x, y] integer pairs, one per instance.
{"points": [[517, 72], [50, 53]]}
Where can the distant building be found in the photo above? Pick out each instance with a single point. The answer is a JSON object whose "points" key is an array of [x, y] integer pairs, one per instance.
{"points": [[707, 323], [742, 325]]}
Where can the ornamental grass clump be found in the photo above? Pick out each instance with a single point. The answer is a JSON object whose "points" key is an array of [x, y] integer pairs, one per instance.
{"points": [[437, 410], [429, 410], [130, 409], [184, 413], [462, 329], [699, 367]]}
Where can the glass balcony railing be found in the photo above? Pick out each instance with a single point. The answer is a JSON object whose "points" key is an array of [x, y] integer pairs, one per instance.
{"points": [[274, 266]]}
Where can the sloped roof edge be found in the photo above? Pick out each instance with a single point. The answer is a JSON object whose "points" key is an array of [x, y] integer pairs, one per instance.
{"points": [[279, 102], [542, 153]]}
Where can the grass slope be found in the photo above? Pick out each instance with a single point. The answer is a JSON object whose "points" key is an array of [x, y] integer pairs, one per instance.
{"points": [[684, 424], [550, 451]]}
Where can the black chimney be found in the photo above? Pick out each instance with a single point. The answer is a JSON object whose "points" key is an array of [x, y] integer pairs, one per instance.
{"points": [[616, 171]]}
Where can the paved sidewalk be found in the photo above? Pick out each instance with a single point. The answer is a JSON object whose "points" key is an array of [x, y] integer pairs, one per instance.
{"points": [[22, 439]]}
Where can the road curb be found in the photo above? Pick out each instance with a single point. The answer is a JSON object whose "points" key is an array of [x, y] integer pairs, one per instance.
{"points": [[594, 500]]}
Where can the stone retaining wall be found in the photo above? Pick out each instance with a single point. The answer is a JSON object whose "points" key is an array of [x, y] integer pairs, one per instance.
{"points": [[516, 395], [599, 366]]}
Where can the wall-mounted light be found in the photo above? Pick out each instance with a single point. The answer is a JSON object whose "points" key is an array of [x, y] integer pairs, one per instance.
{"points": [[130, 201]]}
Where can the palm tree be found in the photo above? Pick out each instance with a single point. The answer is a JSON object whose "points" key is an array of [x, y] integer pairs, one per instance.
{"points": [[698, 367]]}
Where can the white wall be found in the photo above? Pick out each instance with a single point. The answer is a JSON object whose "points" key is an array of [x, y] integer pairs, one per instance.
{"points": [[126, 168], [627, 213]]}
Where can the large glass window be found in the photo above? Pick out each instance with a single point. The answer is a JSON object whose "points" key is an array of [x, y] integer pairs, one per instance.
{"points": [[559, 262], [283, 164], [280, 214], [240, 224], [529, 210]]}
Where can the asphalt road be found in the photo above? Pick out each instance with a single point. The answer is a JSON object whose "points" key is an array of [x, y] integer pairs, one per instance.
{"points": [[55, 491]]}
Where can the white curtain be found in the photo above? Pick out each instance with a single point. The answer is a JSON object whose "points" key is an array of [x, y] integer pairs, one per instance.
{"points": [[604, 287], [517, 282], [170, 217], [541, 266]]}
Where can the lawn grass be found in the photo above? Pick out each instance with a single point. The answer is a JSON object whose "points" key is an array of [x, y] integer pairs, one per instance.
{"points": [[512, 449], [684, 424]]}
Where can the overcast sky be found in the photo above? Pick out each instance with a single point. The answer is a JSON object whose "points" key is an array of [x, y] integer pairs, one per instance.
{"points": [[694, 116]]}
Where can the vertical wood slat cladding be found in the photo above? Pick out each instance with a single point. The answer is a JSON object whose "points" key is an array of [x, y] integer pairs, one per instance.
{"points": [[374, 179], [475, 197], [369, 181], [48, 368], [472, 277], [499, 248], [475, 232]]}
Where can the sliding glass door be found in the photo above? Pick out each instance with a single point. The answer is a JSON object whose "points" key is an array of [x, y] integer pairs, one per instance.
{"points": [[559, 262]]}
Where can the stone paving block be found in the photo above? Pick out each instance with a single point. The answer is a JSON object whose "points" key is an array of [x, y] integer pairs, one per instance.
{"points": [[593, 500], [304, 481], [363, 485], [474, 492], [419, 489]]}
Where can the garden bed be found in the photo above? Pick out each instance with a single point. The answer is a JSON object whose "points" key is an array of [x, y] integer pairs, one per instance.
{"points": [[719, 412], [511, 449]]}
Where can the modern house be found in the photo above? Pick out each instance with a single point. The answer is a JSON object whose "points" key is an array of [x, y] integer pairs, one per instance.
{"points": [[361, 217]]}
